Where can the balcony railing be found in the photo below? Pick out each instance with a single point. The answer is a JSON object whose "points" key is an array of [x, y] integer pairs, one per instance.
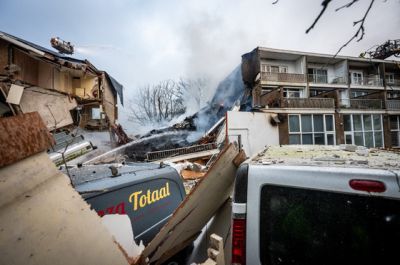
{"points": [[362, 103], [323, 79], [393, 104], [321, 103], [318, 79], [371, 80], [283, 77], [393, 82]]}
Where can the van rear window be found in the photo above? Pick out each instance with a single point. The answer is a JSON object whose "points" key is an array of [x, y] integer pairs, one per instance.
{"points": [[301, 226]]}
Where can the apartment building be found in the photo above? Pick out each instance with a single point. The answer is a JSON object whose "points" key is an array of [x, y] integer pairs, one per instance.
{"points": [[324, 100]]}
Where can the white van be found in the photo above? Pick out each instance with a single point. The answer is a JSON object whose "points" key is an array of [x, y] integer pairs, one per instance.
{"points": [[317, 205]]}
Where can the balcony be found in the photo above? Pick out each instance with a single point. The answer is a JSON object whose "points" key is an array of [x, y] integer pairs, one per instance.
{"points": [[393, 82], [371, 80], [393, 104], [323, 79], [319, 103], [362, 103], [283, 77]]}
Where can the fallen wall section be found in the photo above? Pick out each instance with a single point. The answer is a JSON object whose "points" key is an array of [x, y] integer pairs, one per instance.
{"points": [[43, 220]]}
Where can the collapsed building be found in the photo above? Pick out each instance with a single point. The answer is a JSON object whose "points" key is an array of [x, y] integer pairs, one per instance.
{"points": [[67, 93]]}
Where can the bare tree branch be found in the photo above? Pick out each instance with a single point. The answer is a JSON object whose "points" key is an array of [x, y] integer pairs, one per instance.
{"points": [[361, 30], [157, 103], [324, 4], [346, 5]]}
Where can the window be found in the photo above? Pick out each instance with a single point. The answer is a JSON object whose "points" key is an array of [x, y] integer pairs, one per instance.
{"points": [[292, 93], [311, 129], [389, 78], [313, 227], [393, 94], [356, 77], [395, 130], [363, 129], [317, 92], [318, 75], [96, 113], [274, 68], [355, 94]]}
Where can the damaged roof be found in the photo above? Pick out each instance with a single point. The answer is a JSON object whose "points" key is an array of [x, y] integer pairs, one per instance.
{"points": [[40, 51]]}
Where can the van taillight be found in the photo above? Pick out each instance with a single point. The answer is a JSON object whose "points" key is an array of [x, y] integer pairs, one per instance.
{"points": [[367, 185], [239, 241]]}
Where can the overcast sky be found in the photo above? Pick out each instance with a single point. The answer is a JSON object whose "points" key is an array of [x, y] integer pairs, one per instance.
{"points": [[143, 42]]}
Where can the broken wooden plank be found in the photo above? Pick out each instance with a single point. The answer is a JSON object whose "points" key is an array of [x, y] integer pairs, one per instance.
{"points": [[22, 136], [196, 210]]}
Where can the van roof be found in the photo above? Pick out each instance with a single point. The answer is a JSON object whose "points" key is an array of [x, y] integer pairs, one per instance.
{"points": [[323, 155]]}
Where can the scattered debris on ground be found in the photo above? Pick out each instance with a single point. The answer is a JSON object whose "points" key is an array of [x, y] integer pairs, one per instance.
{"points": [[188, 220]]}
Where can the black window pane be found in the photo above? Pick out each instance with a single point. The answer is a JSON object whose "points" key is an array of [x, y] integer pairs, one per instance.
{"points": [[330, 139], [318, 123], [329, 122], [367, 122], [377, 122], [294, 124], [358, 138], [307, 227], [306, 125], [347, 123], [294, 139], [395, 139], [348, 139], [393, 123], [357, 123], [307, 139], [378, 139], [319, 138]]}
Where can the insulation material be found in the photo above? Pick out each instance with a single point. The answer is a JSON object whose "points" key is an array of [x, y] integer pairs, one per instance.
{"points": [[197, 208], [15, 94], [53, 107], [44, 220]]}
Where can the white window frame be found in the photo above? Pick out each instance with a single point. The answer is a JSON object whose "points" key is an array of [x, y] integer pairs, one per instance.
{"points": [[389, 77], [313, 132], [357, 80], [363, 131], [355, 94], [288, 90], [268, 67], [317, 74], [393, 94]]}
